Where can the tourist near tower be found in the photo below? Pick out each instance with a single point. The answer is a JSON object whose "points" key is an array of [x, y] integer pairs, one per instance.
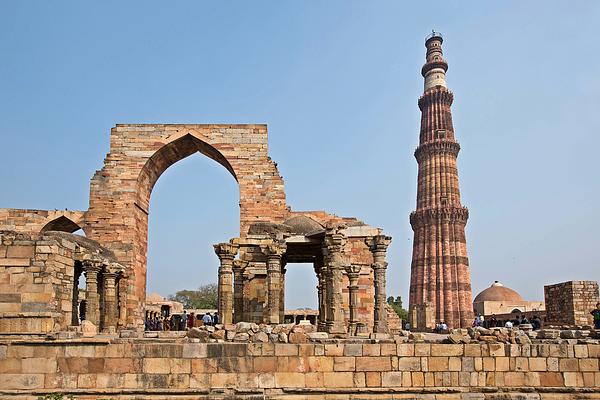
{"points": [[440, 284]]}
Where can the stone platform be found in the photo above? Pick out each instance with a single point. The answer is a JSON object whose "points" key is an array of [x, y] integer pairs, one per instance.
{"points": [[182, 369]]}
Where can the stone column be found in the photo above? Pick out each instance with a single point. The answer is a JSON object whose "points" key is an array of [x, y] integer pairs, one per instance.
{"points": [[226, 253], [110, 301], [335, 262], [274, 253], [353, 272], [282, 297], [378, 246], [122, 300], [238, 290], [92, 299], [321, 292]]}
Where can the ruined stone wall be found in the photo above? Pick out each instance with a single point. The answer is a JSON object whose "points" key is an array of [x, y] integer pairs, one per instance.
{"points": [[36, 283], [570, 302], [34, 221], [120, 192], [96, 369]]}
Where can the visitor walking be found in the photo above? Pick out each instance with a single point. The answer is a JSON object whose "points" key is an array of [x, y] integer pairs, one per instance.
{"points": [[596, 314], [207, 319], [536, 322], [493, 321], [215, 319]]}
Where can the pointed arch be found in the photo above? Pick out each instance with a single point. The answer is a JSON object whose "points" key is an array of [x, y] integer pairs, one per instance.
{"points": [[61, 224], [177, 149]]}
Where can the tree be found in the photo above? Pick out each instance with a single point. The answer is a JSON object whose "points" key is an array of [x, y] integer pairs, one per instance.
{"points": [[396, 304], [204, 298]]}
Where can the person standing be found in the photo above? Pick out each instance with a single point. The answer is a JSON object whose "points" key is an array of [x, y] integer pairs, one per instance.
{"points": [[190, 321], [207, 319], [184, 318], [596, 314]]}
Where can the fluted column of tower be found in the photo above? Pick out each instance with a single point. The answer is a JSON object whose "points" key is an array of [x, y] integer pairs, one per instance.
{"points": [[440, 273]]}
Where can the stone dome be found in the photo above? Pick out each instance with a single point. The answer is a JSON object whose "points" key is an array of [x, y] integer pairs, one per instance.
{"points": [[498, 292], [303, 225]]}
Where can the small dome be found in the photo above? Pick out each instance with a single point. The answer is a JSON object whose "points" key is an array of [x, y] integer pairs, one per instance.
{"points": [[498, 292], [303, 225]]}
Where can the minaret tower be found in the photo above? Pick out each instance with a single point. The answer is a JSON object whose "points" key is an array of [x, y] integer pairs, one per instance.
{"points": [[440, 276]]}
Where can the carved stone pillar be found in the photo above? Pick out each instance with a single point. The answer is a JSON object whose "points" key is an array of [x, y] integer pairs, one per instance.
{"points": [[110, 301], [353, 272], [238, 290], [92, 298], [122, 300], [335, 262], [321, 292], [274, 253], [282, 297], [226, 253], [378, 246]]}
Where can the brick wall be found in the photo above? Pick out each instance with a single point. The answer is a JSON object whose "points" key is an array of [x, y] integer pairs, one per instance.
{"points": [[570, 302], [125, 367]]}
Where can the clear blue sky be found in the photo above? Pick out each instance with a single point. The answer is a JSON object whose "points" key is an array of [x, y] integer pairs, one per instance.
{"points": [[337, 82]]}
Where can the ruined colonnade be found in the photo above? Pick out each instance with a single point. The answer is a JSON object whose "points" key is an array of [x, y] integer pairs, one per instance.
{"points": [[330, 269]]}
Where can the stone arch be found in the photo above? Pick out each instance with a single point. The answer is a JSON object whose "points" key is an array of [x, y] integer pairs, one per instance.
{"points": [[120, 192], [174, 151], [61, 224]]}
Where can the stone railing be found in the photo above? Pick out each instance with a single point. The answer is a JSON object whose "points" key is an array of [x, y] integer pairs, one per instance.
{"points": [[118, 368]]}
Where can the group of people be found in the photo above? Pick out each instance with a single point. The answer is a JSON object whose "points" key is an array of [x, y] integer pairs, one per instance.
{"points": [[180, 322], [441, 327], [536, 322]]}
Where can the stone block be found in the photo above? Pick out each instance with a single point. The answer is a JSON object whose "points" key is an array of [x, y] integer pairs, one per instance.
{"points": [[343, 364], [373, 363], [290, 379], [391, 379], [286, 349], [338, 379], [320, 364], [409, 364], [21, 381], [335, 350], [156, 366], [438, 364], [265, 364], [194, 350], [223, 380], [353, 350], [537, 364], [451, 350], [314, 379]]}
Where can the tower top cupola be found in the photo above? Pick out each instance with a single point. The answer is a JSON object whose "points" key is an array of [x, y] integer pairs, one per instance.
{"points": [[434, 70]]}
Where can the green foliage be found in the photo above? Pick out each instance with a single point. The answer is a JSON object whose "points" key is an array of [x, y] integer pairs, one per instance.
{"points": [[396, 304], [205, 297], [56, 396]]}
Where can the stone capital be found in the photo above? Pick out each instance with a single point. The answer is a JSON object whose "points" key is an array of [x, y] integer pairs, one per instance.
{"points": [[275, 250], [239, 265], [378, 243], [226, 251], [379, 265], [353, 270]]}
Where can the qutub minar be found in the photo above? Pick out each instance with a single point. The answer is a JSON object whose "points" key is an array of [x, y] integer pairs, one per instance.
{"points": [[440, 278]]}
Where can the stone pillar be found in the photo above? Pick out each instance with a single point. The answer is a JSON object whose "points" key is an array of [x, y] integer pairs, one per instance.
{"points": [[335, 262], [321, 292], [110, 301], [378, 246], [226, 253], [282, 297], [92, 298], [274, 253], [353, 272], [122, 300], [238, 290]]}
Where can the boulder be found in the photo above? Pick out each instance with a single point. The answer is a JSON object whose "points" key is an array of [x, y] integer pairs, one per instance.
{"points": [[88, 329], [260, 337], [417, 337], [243, 327], [241, 337], [488, 338], [317, 335], [219, 335], [298, 337], [198, 333], [282, 337], [457, 338]]}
